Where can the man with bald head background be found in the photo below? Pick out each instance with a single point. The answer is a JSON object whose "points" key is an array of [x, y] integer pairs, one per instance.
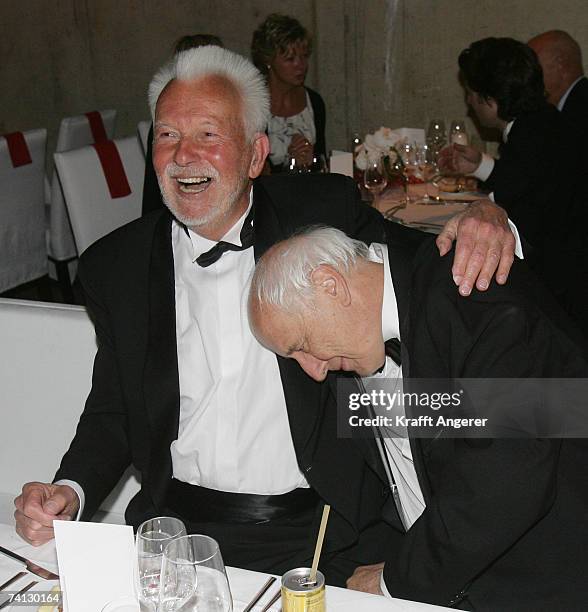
{"points": [[566, 86], [560, 57]]}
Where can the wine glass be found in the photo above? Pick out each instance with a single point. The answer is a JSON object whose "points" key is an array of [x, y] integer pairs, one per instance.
{"points": [[457, 132], [193, 577], [436, 136], [153, 536], [427, 166], [408, 154], [374, 177]]}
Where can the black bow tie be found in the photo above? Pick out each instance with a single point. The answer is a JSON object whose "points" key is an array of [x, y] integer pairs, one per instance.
{"points": [[215, 253], [392, 350]]}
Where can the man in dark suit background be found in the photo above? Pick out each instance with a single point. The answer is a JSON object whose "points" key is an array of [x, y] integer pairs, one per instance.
{"points": [[539, 176], [560, 57], [479, 522], [238, 444]]}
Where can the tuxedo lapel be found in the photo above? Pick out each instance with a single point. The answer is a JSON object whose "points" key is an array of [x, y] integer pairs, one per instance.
{"points": [[160, 378], [401, 260], [304, 397], [266, 225]]}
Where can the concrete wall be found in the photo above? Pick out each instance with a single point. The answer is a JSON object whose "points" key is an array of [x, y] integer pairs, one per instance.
{"points": [[376, 62]]}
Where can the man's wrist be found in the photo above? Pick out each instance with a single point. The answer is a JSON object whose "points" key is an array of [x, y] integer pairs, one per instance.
{"points": [[383, 587], [485, 167], [78, 491]]}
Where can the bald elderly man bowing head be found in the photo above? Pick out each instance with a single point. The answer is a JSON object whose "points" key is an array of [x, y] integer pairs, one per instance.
{"points": [[484, 524]]}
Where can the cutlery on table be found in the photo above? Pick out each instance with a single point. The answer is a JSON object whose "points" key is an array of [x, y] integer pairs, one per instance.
{"points": [[259, 594], [390, 212], [272, 601], [11, 580], [31, 567], [30, 585]]}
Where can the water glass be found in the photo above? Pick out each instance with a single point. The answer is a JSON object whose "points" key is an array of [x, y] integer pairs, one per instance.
{"points": [[375, 178], [152, 538], [193, 577], [457, 132], [427, 168], [436, 135]]}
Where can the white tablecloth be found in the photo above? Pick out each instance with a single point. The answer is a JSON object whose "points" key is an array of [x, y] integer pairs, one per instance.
{"points": [[244, 584]]}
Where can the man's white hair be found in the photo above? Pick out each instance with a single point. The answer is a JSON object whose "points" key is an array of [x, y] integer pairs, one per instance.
{"points": [[282, 276], [211, 60]]}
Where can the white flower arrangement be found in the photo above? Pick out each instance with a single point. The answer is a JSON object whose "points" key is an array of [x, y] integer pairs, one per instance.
{"points": [[381, 143]]}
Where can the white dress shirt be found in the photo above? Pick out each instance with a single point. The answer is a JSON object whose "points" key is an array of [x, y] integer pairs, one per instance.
{"points": [[234, 433], [398, 452]]}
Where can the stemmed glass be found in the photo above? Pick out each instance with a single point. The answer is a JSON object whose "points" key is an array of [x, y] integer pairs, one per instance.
{"points": [[436, 136], [375, 178], [427, 167], [193, 577], [457, 132], [152, 538], [408, 153]]}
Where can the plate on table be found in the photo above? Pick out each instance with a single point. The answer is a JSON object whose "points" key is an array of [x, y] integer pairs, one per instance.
{"points": [[456, 184], [458, 189]]}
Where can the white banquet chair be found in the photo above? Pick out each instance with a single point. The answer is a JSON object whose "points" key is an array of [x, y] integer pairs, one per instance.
{"points": [[23, 255], [93, 211], [47, 352], [74, 132], [143, 128]]}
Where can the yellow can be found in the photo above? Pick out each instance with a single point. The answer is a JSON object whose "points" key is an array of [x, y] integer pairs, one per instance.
{"points": [[301, 595]]}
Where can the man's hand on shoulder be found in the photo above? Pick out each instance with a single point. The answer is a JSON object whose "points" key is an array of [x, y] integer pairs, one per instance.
{"points": [[485, 246], [39, 505], [367, 578]]}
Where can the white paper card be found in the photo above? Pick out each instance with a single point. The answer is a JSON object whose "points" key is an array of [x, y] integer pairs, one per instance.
{"points": [[341, 162], [96, 564]]}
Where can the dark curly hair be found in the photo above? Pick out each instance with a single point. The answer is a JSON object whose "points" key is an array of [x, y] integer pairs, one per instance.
{"points": [[274, 36], [507, 71]]}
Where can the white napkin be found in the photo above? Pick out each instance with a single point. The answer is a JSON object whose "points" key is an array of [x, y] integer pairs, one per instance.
{"points": [[341, 162], [96, 564]]}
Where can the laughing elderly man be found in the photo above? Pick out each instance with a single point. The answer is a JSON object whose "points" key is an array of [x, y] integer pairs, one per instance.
{"points": [[479, 524]]}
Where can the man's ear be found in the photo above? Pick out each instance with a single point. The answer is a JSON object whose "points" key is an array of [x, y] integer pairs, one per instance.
{"points": [[260, 152], [331, 283]]}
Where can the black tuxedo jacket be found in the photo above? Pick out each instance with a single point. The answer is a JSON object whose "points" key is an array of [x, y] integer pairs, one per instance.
{"points": [[504, 526], [575, 110], [131, 415], [527, 179]]}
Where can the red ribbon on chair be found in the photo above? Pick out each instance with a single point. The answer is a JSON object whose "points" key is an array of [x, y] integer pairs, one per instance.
{"points": [[112, 166], [18, 149], [97, 126]]}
